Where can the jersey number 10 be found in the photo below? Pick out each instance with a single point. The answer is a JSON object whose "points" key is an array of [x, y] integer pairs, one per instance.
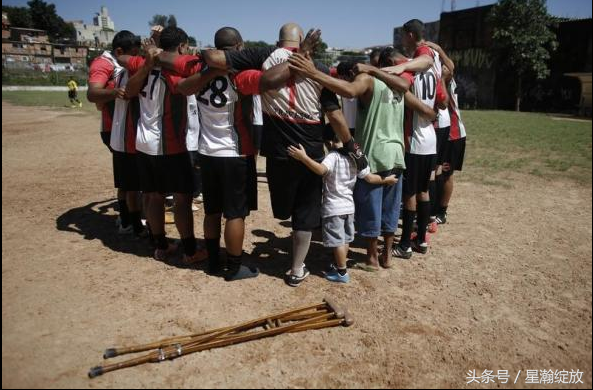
{"points": [[429, 85]]}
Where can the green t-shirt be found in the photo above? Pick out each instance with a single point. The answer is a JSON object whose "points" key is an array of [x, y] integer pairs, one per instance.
{"points": [[380, 129]]}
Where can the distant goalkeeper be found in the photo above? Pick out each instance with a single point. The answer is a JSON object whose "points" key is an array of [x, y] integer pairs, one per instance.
{"points": [[73, 93]]}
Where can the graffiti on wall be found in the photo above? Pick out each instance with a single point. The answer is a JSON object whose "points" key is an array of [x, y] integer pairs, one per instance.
{"points": [[472, 58]]}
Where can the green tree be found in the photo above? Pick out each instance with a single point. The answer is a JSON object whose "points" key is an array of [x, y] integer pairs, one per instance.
{"points": [[193, 41], [256, 44], [18, 16], [163, 20], [44, 17], [523, 39], [158, 20], [320, 55], [172, 22]]}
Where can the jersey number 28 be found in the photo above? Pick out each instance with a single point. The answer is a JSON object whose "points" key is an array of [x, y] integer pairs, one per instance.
{"points": [[217, 97]]}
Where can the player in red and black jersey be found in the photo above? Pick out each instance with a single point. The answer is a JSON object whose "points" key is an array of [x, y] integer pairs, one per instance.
{"points": [[226, 153], [163, 160], [104, 72]]}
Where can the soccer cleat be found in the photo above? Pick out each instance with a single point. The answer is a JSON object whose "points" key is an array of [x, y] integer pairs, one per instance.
{"points": [[295, 281], [419, 247], [163, 254], [442, 219], [200, 255], [402, 253], [125, 230], [433, 227]]}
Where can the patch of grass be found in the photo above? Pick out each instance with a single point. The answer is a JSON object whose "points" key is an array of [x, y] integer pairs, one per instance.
{"points": [[502, 141], [36, 77], [54, 99]]}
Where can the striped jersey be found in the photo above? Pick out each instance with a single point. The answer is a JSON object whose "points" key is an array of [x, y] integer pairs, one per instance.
{"points": [[457, 126], [193, 124], [162, 127], [293, 114], [226, 115], [420, 136], [125, 115], [105, 69]]}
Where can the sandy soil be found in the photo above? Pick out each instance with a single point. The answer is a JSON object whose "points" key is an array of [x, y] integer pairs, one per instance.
{"points": [[506, 285]]}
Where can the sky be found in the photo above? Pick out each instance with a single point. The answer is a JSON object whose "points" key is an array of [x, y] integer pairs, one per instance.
{"points": [[344, 23]]}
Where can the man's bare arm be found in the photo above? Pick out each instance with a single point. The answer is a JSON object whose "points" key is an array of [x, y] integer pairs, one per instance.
{"points": [[393, 81], [339, 125], [215, 59], [97, 93], [136, 82], [419, 64], [412, 102], [275, 78], [447, 61], [307, 69], [198, 81]]}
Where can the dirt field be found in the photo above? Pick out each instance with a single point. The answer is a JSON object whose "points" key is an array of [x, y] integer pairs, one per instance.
{"points": [[506, 285]]}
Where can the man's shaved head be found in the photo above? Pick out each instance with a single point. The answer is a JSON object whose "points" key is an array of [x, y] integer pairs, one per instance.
{"points": [[291, 34], [227, 38]]}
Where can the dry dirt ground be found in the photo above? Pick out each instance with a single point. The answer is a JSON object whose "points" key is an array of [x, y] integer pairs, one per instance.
{"points": [[506, 286]]}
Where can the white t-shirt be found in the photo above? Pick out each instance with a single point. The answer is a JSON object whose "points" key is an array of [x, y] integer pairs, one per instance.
{"points": [[193, 124], [349, 109], [338, 184]]}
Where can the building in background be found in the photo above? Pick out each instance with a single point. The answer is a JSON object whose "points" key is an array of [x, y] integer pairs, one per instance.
{"points": [[466, 35], [98, 34], [30, 48]]}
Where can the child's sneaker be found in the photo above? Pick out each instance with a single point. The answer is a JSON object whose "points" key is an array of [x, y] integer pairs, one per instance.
{"points": [[335, 276]]}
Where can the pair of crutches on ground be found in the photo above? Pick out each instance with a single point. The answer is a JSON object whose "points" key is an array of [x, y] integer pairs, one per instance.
{"points": [[323, 315]]}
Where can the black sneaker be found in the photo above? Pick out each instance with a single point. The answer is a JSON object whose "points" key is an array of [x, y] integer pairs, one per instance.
{"points": [[402, 253], [295, 281], [442, 219], [420, 247]]}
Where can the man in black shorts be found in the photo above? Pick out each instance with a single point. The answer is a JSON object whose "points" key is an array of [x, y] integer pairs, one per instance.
{"points": [[294, 190]]}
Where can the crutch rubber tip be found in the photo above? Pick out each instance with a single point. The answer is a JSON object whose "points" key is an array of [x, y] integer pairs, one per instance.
{"points": [[109, 353], [334, 307], [348, 319], [95, 371]]}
